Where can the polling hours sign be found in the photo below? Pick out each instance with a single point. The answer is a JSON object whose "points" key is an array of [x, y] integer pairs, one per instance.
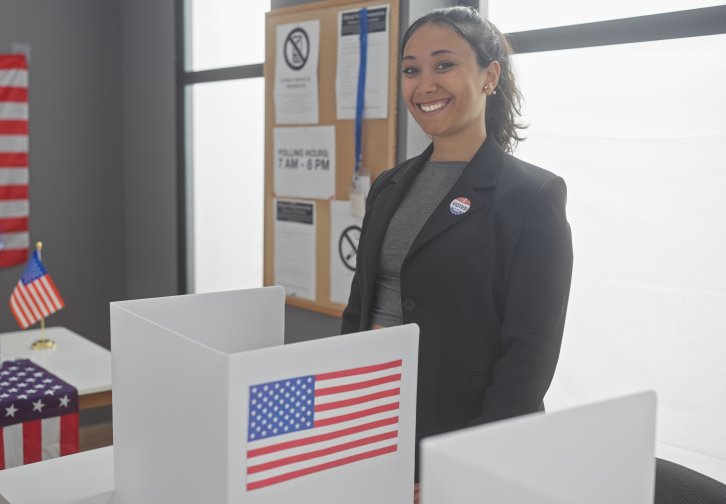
{"points": [[304, 160]]}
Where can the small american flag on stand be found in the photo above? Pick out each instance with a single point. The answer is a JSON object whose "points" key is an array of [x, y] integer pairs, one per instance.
{"points": [[38, 414], [307, 424], [35, 296]]}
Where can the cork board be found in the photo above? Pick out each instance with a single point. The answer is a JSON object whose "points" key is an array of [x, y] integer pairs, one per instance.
{"points": [[379, 135]]}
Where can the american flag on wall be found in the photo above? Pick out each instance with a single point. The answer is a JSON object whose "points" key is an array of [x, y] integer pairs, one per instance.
{"points": [[35, 296], [38, 414], [14, 238], [307, 424]]}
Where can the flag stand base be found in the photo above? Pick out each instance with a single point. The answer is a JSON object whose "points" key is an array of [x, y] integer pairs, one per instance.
{"points": [[43, 344]]}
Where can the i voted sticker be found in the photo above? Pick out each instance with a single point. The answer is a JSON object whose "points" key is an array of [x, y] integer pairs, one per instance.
{"points": [[460, 205]]}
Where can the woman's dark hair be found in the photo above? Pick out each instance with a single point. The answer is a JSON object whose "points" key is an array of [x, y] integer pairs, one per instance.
{"points": [[503, 109]]}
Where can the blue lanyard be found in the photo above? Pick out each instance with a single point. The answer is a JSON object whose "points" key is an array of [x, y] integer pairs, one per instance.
{"points": [[360, 101]]}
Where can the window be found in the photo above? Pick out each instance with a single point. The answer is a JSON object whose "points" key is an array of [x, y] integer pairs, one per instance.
{"points": [[637, 131], [227, 33], [228, 162], [224, 138]]}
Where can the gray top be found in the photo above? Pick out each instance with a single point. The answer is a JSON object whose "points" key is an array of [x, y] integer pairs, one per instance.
{"points": [[428, 189]]}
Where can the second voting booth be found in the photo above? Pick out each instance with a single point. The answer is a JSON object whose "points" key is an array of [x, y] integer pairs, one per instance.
{"points": [[598, 453], [210, 406]]}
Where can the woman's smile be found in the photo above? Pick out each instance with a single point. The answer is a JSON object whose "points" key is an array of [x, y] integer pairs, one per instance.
{"points": [[434, 106]]}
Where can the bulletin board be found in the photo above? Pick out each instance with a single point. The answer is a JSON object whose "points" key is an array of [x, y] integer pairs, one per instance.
{"points": [[379, 135]]}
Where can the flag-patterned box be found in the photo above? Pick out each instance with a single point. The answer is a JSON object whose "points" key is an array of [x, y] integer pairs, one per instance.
{"points": [[38, 414], [210, 405]]}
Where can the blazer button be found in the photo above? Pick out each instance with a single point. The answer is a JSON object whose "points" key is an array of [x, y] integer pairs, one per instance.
{"points": [[409, 304]]}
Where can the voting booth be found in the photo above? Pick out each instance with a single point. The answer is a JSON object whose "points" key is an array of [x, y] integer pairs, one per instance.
{"points": [[210, 406], [600, 453]]}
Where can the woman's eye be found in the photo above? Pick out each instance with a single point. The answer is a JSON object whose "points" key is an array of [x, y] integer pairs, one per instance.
{"points": [[444, 65], [409, 70]]}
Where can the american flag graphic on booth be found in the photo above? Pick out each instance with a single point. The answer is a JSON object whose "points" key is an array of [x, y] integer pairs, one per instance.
{"points": [[38, 414], [307, 424], [14, 207]]}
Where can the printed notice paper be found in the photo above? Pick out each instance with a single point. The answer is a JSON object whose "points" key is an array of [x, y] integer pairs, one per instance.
{"points": [[304, 161], [295, 247], [344, 236], [346, 80], [296, 73]]}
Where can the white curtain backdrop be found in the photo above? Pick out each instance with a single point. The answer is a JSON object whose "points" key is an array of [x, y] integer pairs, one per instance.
{"points": [[638, 131]]}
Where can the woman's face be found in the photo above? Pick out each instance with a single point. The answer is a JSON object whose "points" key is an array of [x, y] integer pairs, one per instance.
{"points": [[442, 83]]}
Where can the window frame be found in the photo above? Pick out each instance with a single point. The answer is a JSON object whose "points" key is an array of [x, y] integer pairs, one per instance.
{"points": [[664, 26]]}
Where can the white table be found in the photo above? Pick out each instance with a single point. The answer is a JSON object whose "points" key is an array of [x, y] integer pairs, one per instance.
{"points": [[76, 360], [83, 478]]}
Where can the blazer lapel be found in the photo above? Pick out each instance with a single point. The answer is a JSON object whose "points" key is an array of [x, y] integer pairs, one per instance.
{"points": [[472, 190], [387, 200]]}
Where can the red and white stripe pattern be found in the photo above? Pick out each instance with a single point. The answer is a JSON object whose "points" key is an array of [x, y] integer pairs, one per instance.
{"points": [[14, 206], [35, 296], [36, 440], [355, 418]]}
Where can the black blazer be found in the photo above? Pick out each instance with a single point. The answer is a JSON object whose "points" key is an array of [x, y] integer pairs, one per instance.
{"points": [[488, 287]]}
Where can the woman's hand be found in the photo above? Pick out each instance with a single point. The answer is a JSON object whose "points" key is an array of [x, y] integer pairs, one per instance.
{"points": [[416, 493]]}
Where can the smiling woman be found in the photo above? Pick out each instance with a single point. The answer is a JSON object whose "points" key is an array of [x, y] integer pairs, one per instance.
{"points": [[466, 241], [441, 85]]}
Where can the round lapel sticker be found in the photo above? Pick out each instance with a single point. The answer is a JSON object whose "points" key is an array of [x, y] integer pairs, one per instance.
{"points": [[459, 205]]}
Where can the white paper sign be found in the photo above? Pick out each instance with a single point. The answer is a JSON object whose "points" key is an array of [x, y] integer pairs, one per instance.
{"points": [[344, 235], [296, 73], [304, 162], [295, 247], [346, 80]]}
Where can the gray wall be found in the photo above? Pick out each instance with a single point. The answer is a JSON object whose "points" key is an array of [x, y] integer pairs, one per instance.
{"points": [[102, 152], [149, 147], [76, 168], [304, 325]]}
